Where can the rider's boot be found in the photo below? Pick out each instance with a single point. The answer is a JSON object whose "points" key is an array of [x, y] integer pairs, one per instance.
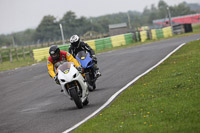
{"points": [[97, 73]]}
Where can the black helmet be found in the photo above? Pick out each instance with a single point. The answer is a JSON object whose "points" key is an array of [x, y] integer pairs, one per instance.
{"points": [[75, 40], [54, 52]]}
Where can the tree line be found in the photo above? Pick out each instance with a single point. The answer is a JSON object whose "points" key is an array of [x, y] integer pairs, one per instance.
{"points": [[48, 30]]}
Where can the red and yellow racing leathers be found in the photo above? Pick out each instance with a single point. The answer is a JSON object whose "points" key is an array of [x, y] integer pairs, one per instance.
{"points": [[64, 56]]}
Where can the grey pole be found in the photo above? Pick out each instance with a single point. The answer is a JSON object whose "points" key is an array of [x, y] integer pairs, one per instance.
{"points": [[170, 20], [91, 25], [13, 40], [129, 21], [61, 30]]}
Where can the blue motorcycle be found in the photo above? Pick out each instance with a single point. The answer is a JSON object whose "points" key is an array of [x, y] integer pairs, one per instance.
{"points": [[87, 64]]}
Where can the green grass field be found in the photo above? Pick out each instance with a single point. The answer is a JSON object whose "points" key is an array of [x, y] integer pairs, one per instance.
{"points": [[7, 65], [164, 100], [196, 28]]}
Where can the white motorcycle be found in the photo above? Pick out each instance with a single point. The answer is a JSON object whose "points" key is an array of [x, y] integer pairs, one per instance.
{"points": [[73, 84]]}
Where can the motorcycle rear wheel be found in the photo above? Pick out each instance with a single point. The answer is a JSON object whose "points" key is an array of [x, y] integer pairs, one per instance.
{"points": [[76, 98], [91, 85], [94, 86]]}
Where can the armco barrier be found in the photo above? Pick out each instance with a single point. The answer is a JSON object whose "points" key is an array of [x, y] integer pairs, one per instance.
{"points": [[40, 54], [118, 40]]}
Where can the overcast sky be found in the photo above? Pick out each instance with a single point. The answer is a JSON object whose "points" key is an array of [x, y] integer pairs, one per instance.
{"points": [[18, 15]]}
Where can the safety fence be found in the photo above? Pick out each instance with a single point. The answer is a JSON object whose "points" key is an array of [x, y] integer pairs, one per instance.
{"points": [[113, 41]]}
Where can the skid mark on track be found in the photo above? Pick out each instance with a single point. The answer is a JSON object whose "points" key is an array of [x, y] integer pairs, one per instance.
{"points": [[40, 107]]}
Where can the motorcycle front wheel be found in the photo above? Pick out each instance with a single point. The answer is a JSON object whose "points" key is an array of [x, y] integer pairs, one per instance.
{"points": [[76, 98], [86, 101]]}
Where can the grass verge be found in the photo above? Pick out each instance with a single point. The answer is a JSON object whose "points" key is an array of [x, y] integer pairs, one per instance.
{"points": [[164, 100], [196, 28], [7, 65]]}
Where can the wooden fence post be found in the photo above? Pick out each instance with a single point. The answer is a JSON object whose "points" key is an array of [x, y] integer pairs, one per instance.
{"points": [[23, 53], [10, 53], [16, 54], [32, 55], [31, 52]]}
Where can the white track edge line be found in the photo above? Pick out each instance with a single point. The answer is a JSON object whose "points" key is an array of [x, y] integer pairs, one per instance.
{"points": [[117, 93]]}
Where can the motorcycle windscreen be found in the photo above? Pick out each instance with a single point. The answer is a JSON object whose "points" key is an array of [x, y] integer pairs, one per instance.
{"points": [[81, 55], [85, 59], [65, 66]]}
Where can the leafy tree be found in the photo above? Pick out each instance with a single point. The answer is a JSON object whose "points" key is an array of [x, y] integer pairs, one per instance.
{"points": [[146, 16], [83, 25], [5, 40], [162, 7], [154, 14], [180, 9], [73, 25], [69, 23], [20, 38], [47, 29]]}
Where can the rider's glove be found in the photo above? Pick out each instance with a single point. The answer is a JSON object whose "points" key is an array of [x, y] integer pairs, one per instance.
{"points": [[56, 79], [79, 69], [94, 58]]}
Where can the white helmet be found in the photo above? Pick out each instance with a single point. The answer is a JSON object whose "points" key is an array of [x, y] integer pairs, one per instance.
{"points": [[75, 40]]}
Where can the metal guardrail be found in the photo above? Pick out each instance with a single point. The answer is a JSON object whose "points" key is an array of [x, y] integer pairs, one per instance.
{"points": [[178, 29]]}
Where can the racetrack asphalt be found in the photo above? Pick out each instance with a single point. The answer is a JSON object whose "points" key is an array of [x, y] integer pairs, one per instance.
{"points": [[31, 102]]}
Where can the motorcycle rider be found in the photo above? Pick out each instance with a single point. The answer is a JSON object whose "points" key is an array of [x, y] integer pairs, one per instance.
{"points": [[57, 58], [77, 46]]}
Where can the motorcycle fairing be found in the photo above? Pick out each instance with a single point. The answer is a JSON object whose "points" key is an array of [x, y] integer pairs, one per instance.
{"points": [[85, 59]]}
